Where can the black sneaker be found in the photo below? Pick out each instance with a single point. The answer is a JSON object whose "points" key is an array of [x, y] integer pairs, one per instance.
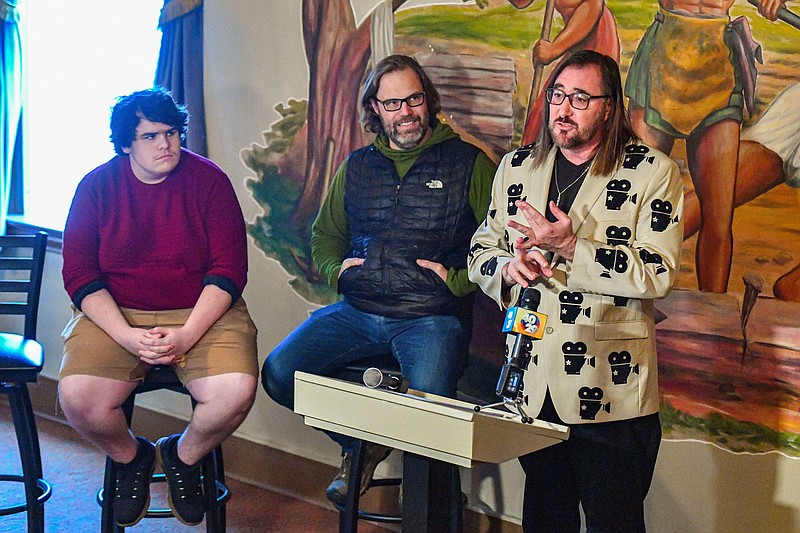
{"points": [[185, 488], [132, 485], [373, 455]]}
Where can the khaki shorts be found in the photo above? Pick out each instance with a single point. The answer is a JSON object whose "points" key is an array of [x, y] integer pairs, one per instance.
{"points": [[228, 347]]}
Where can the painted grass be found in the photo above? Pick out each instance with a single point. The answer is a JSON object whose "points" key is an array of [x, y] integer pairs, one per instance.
{"points": [[509, 28]]}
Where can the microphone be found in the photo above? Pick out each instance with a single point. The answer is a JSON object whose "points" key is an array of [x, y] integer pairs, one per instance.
{"points": [[523, 318], [527, 324], [374, 378]]}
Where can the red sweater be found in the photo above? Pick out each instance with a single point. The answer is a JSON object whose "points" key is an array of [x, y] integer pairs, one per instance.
{"points": [[155, 246]]}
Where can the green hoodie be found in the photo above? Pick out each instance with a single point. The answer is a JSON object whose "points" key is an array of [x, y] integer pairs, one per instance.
{"points": [[330, 234]]}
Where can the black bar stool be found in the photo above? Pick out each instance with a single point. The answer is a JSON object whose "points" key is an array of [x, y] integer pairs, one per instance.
{"points": [[215, 491], [21, 360], [425, 473]]}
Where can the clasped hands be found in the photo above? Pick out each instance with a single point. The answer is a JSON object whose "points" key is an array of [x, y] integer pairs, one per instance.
{"points": [[528, 262], [162, 345]]}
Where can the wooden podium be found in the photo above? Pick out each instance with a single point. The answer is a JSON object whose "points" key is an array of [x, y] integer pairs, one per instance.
{"points": [[426, 426]]}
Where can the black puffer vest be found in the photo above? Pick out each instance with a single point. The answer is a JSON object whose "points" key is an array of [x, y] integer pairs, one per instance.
{"points": [[394, 222]]}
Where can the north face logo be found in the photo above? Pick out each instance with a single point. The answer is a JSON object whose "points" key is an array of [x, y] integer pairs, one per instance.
{"points": [[434, 184]]}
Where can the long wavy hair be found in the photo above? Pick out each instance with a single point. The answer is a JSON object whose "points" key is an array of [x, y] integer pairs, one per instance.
{"points": [[369, 119], [617, 129]]}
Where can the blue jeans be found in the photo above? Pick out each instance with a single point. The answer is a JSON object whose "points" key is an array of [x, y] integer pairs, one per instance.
{"points": [[431, 350]]}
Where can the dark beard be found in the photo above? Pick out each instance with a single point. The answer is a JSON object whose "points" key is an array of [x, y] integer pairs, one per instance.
{"points": [[579, 139]]}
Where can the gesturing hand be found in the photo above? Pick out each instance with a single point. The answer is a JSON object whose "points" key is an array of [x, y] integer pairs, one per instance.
{"points": [[556, 237]]}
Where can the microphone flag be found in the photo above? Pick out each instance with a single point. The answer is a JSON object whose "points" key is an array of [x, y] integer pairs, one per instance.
{"points": [[525, 322]]}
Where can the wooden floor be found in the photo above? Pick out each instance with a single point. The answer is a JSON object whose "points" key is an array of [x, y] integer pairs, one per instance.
{"points": [[75, 470]]}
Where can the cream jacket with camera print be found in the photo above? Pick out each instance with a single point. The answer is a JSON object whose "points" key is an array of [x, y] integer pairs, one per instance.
{"points": [[598, 352]]}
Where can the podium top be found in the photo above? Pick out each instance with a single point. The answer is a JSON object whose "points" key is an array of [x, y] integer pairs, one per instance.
{"points": [[426, 424]]}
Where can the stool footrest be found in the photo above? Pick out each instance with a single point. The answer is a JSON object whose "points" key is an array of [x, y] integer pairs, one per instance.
{"points": [[386, 482], [373, 517], [381, 518], [45, 491], [378, 517]]}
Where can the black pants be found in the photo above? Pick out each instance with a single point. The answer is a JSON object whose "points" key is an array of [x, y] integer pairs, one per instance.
{"points": [[605, 467]]}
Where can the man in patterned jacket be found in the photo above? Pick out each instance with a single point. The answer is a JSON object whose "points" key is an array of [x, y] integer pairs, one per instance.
{"points": [[591, 219]]}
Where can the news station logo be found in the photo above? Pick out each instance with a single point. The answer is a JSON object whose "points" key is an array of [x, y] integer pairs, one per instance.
{"points": [[525, 322]]}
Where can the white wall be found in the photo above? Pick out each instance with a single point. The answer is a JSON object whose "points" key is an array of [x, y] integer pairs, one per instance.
{"points": [[254, 60]]}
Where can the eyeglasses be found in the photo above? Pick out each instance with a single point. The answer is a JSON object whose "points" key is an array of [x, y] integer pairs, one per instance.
{"points": [[394, 104], [150, 137], [578, 100]]}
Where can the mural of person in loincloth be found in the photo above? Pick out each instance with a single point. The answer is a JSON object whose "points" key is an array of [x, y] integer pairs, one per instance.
{"points": [[769, 154], [691, 77]]}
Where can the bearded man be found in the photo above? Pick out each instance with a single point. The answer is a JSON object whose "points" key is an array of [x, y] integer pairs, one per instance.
{"points": [[590, 218], [392, 238]]}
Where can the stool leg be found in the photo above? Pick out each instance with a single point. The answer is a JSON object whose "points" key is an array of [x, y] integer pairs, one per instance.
{"points": [[219, 475], [456, 501], [428, 495], [348, 517], [215, 511], [108, 523], [30, 455]]}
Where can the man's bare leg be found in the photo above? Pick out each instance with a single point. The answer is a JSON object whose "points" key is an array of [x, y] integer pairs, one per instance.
{"points": [[93, 406], [223, 402], [759, 170], [713, 158], [655, 138]]}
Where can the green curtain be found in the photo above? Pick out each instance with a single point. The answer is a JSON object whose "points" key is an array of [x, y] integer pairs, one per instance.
{"points": [[10, 101]]}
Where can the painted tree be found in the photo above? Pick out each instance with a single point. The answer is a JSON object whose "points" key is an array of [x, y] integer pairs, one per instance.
{"points": [[338, 53]]}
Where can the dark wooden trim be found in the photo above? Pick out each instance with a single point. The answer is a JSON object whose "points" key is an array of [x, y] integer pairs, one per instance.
{"points": [[18, 227]]}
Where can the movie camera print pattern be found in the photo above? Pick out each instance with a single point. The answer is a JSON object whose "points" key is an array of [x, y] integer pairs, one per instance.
{"points": [[613, 260]]}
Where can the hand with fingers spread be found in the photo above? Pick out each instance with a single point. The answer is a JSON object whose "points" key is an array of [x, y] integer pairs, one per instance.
{"points": [[557, 237]]}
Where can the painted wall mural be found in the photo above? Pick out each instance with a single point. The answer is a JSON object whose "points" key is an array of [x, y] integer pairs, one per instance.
{"points": [[729, 354]]}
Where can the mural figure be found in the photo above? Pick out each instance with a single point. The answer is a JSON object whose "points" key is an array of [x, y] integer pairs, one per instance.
{"points": [[588, 25], [392, 238], [691, 76], [769, 154]]}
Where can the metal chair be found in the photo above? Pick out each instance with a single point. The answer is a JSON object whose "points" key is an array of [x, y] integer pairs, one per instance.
{"points": [[21, 360], [215, 491]]}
